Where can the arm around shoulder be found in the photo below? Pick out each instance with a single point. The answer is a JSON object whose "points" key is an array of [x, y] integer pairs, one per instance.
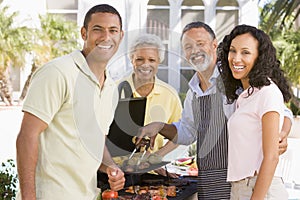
{"points": [[288, 121], [284, 133]]}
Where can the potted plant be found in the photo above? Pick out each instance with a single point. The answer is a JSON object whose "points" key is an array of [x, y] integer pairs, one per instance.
{"points": [[8, 180]]}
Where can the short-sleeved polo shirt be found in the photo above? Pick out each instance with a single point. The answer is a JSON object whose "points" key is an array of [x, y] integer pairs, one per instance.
{"points": [[245, 130], [163, 105], [67, 96]]}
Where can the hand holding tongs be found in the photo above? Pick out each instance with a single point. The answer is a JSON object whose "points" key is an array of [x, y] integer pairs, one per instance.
{"points": [[144, 142], [147, 145]]}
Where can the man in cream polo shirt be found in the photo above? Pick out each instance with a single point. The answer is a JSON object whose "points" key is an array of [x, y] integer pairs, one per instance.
{"points": [[67, 113]]}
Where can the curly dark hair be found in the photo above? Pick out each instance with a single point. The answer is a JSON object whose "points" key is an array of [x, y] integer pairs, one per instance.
{"points": [[266, 66]]}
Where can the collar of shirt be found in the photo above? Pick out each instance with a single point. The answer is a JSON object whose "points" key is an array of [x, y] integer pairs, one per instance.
{"points": [[156, 88], [81, 63], [194, 84], [244, 93]]}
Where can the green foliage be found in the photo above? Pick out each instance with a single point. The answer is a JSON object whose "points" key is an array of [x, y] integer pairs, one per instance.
{"points": [[15, 42], [182, 97], [63, 34], [278, 19], [277, 15], [57, 37], [294, 109], [193, 149], [288, 49], [8, 180]]}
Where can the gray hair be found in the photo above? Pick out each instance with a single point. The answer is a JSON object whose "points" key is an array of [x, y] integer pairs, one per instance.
{"points": [[198, 24], [148, 40]]}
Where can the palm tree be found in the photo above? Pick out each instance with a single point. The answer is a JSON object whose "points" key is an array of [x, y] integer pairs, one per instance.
{"points": [[56, 37], [288, 46], [14, 44], [277, 19], [278, 14]]}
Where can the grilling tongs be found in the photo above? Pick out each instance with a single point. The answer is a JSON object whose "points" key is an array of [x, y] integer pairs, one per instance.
{"points": [[144, 142]]}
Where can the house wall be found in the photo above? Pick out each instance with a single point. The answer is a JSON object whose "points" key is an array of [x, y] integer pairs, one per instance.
{"points": [[167, 17]]}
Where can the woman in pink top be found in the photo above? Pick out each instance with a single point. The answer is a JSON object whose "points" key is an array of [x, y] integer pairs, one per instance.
{"points": [[248, 62]]}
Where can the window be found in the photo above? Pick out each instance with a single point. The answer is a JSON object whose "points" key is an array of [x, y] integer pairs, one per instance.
{"points": [[66, 4], [227, 13], [192, 10], [158, 24], [67, 8]]}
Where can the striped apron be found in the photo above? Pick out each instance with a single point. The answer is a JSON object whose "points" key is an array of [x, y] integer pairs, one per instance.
{"points": [[212, 143]]}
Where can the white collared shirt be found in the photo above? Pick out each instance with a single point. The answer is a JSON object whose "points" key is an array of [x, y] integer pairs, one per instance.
{"points": [[187, 131]]}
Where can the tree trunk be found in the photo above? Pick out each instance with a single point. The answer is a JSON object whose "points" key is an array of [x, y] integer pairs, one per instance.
{"points": [[26, 85], [5, 88]]}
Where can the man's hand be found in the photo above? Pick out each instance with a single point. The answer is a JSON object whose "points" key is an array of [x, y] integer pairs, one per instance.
{"points": [[116, 178], [283, 144], [151, 130], [285, 130]]}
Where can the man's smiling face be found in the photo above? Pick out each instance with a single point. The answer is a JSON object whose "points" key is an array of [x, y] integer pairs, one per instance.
{"points": [[102, 37]]}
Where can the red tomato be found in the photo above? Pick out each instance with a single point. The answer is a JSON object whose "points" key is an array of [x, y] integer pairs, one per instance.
{"points": [[109, 194], [158, 198]]}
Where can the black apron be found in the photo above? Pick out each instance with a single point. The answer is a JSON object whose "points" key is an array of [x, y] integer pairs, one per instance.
{"points": [[212, 147]]}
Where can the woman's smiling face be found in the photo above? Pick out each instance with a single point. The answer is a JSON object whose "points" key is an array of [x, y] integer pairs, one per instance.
{"points": [[145, 63], [242, 55]]}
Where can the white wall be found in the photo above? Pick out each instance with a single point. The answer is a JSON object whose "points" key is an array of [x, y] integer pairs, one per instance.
{"points": [[134, 14]]}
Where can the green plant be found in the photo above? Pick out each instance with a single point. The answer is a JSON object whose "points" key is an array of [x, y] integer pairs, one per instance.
{"points": [[278, 19], [193, 149], [15, 43], [294, 108], [182, 97], [8, 180]]}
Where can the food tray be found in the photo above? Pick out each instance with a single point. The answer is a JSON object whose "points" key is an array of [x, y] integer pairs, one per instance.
{"points": [[145, 170]]}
